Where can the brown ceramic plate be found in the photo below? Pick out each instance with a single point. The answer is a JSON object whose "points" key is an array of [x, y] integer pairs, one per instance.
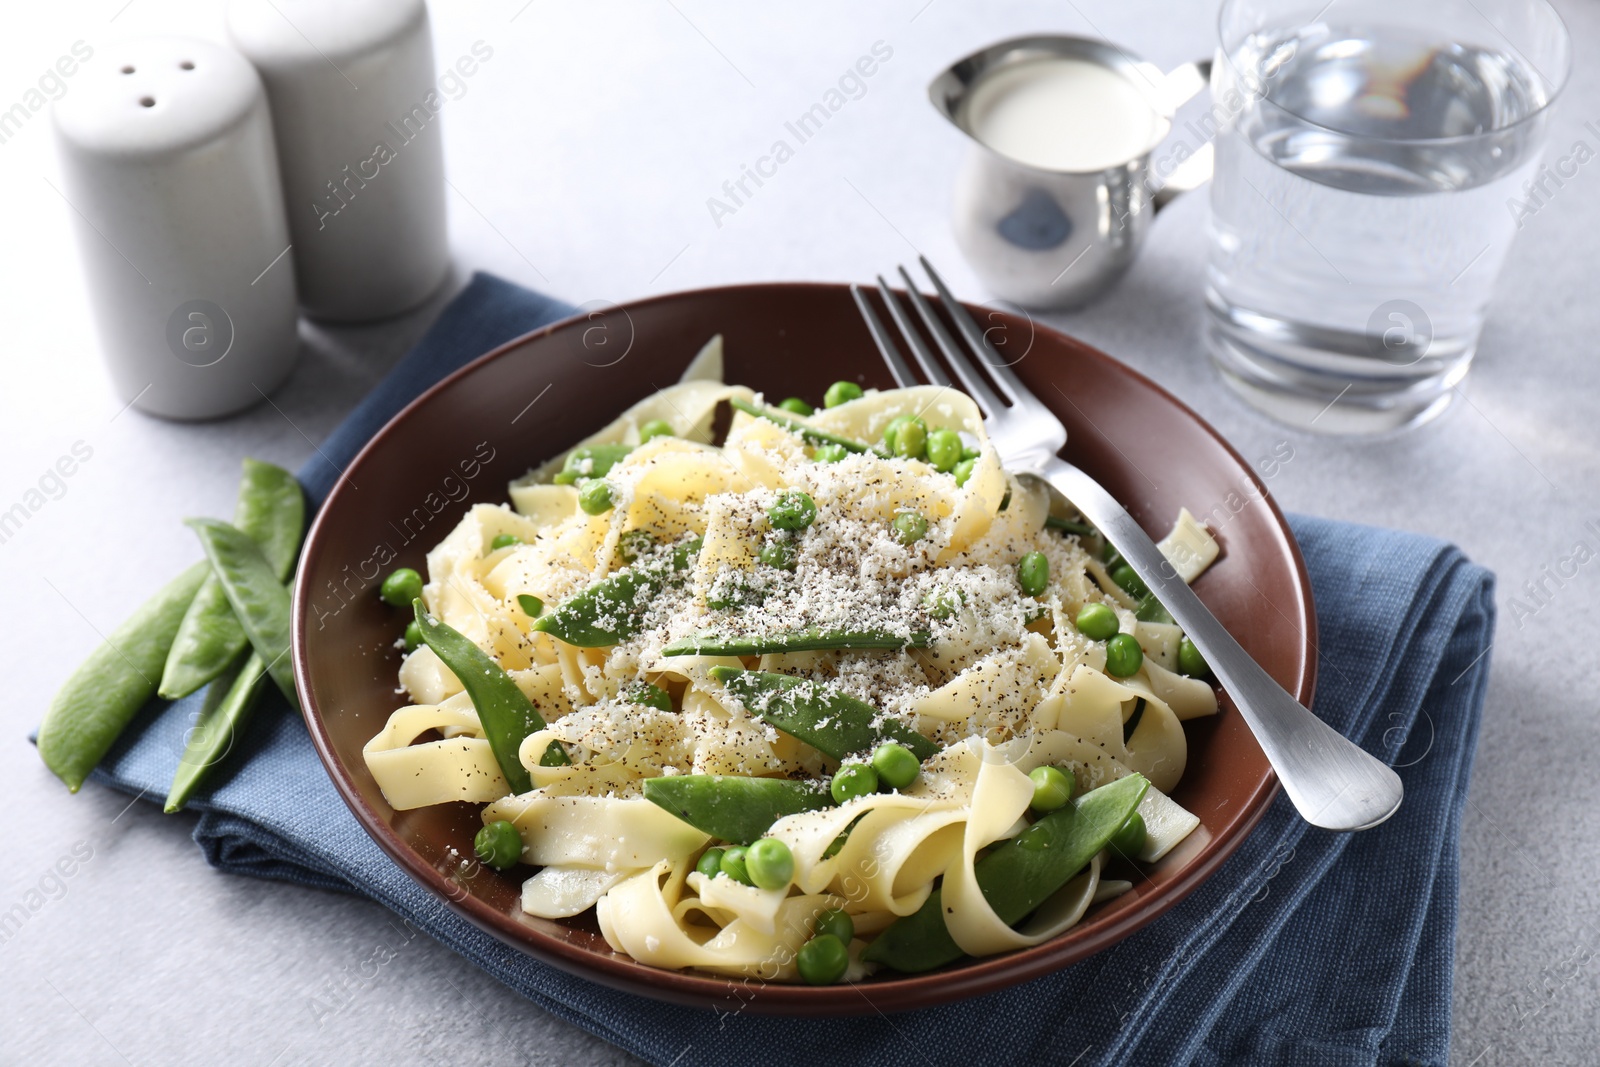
{"points": [[462, 441]]}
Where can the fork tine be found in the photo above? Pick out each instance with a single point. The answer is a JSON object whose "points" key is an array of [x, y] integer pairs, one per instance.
{"points": [[898, 368], [976, 387], [908, 330], [976, 339]]}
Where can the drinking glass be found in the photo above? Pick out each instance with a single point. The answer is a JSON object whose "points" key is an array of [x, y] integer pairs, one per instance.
{"points": [[1374, 162]]}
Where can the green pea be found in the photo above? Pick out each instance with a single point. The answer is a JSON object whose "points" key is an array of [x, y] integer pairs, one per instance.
{"points": [[1033, 573], [1123, 655], [733, 864], [1109, 554], [853, 780], [892, 430], [1052, 788], [634, 544], [1005, 501], [1097, 622], [911, 439], [595, 497], [401, 588], [896, 765], [944, 449], [781, 554], [498, 844], [963, 470], [531, 605], [504, 541], [840, 393], [1129, 839], [653, 429], [943, 603], [555, 755], [710, 863], [968, 452], [793, 510], [413, 636], [1190, 661], [769, 863], [910, 527], [823, 960], [1124, 576], [651, 696], [829, 453], [796, 406], [835, 922]]}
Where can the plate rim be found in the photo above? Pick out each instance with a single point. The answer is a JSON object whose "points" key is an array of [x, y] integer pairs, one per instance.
{"points": [[909, 992]]}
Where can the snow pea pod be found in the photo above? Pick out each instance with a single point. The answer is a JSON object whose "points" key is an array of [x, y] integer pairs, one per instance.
{"points": [[834, 723], [1152, 610], [228, 704], [271, 509], [613, 610], [592, 461], [809, 640], [733, 808], [259, 599], [504, 710], [1082, 529], [1016, 876], [793, 425], [107, 690]]}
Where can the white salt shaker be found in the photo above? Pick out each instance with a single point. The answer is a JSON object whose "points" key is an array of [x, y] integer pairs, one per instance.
{"points": [[167, 160], [355, 105]]}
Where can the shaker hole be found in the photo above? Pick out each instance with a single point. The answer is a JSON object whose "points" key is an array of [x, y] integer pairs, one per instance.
{"points": [[127, 70], [186, 65], [148, 101]]}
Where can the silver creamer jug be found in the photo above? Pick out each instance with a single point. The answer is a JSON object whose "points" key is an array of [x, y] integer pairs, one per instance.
{"points": [[1047, 232]]}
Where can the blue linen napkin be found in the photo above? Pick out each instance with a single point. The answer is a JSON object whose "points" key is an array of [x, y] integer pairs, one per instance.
{"points": [[1305, 947]]}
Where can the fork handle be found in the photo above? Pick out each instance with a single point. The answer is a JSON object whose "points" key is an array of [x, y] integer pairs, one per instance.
{"points": [[1333, 782]]}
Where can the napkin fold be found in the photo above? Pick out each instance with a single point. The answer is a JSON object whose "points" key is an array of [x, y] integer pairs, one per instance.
{"points": [[1305, 947]]}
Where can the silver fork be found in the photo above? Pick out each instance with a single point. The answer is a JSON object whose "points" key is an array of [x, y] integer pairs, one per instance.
{"points": [[1333, 783]]}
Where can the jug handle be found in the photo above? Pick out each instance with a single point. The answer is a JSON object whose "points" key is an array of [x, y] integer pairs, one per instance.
{"points": [[1183, 84]]}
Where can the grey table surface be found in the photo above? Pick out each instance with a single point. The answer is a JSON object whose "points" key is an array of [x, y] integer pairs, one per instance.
{"points": [[581, 158]]}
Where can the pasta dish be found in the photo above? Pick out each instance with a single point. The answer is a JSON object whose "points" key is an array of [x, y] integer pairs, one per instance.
{"points": [[800, 694]]}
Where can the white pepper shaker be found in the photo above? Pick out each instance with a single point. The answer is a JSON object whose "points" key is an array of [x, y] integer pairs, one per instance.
{"points": [[167, 159], [356, 108]]}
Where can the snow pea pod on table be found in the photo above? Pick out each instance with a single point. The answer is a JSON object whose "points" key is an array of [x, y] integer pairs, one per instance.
{"points": [[107, 690], [270, 510], [229, 702], [1016, 876], [259, 599]]}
